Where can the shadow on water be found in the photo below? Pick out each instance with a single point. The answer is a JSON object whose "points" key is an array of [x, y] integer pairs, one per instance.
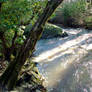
{"points": [[77, 77]]}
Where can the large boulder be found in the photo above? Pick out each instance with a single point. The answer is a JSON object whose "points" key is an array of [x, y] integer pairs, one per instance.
{"points": [[50, 31]]}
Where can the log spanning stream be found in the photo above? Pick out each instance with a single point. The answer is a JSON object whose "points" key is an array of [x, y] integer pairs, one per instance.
{"points": [[66, 63]]}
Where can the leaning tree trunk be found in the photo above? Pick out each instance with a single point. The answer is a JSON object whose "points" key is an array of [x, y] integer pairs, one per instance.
{"points": [[0, 6], [9, 77]]}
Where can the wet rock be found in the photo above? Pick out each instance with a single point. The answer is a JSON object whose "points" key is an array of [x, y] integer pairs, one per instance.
{"points": [[51, 31], [64, 35]]}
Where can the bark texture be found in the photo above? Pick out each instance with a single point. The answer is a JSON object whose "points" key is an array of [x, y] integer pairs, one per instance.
{"points": [[0, 6], [9, 77]]}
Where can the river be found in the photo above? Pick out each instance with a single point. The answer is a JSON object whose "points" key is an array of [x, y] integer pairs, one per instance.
{"points": [[66, 63]]}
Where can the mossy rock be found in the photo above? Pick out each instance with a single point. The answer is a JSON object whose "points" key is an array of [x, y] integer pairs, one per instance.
{"points": [[50, 31]]}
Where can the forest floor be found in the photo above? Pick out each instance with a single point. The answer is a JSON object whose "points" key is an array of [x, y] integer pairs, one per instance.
{"points": [[66, 63]]}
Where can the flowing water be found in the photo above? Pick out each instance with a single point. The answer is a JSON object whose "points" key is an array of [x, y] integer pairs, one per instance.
{"points": [[66, 63]]}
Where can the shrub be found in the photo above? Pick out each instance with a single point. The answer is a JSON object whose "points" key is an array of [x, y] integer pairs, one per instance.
{"points": [[88, 22], [73, 10], [71, 13]]}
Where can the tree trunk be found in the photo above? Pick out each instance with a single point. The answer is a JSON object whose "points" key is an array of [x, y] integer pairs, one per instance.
{"points": [[9, 77], [0, 6]]}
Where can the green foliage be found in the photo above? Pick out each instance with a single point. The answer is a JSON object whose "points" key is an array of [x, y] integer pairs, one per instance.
{"points": [[88, 22], [11, 15], [74, 9], [88, 19], [70, 13], [17, 12], [14, 14], [3, 0], [8, 36]]}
